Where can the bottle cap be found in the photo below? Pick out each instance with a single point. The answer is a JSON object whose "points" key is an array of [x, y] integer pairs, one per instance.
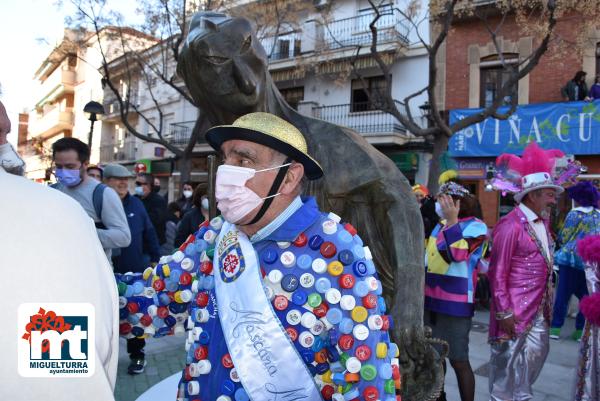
{"points": [[288, 259], [360, 332], [307, 280], [347, 302], [329, 227], [319, 266]]}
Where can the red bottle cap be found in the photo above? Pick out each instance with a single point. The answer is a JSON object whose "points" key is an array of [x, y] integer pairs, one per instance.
{"points": [[327, 392], [370, 393], [158, 285], [363, 353], [133, 307], [226, 361], [347, 281], [202, 299], [162, 312], [301, 240], [386, 322], [292, 332], [185, 278], [280, 302], [328, 249], [395, 372], [206, 267], [124, 328], [321, 310], [146, 320], [201, 352], [369, 301], [346, 342]]}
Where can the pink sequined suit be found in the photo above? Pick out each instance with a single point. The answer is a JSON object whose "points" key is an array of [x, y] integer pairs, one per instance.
{"points": [[519, 276]]}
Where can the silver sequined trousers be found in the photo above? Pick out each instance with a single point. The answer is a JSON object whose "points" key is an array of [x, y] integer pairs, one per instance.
{"points": [[516, 364]]}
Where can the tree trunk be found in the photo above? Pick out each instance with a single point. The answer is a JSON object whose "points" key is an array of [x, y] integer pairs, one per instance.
{"points": [[185, 168], [440, 145]]}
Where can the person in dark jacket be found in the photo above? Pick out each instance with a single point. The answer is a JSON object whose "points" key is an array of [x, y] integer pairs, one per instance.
{"points": [[155, 205], [194, 217], [576, 89], [143, 250], [174, 215], [186, 200]]}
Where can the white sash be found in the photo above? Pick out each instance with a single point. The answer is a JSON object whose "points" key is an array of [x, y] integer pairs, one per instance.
{"points": [[265, 359]]}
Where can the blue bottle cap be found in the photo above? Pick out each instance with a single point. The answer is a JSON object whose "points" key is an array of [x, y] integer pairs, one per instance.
{"points": [[334, 315], [338, 378], [322, 368], [241, 395], [289, 283], [336, 367], [332, 354], [227, 387], [385, 371], [360, 289], [317, 345], [322, 285], [129, 291], [360, 268], [164, 298], [269, 256], [344, 237], [381, 305], [201, 245], [315, 242], [204, 338], [123, 313], [137, 331], [170, 321], [346, 257], [175, 275], [171, 285], [392, 350], [333, 335], [208, 282], [359, 252], [138, 287], [190, 249], [346, 325], [358, 241], [127, 278], [304, 261], [307, 356], [175, 307], [352, 394], [299, 297], [311, 369], [133, 319], [370, 267]]}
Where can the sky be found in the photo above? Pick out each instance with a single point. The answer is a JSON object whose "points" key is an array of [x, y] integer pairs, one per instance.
{"points": [[29, 30]]}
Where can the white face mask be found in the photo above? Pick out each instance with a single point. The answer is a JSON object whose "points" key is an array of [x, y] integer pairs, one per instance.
{"points": [[438, 210], [188, 194], [235, 200], [204, 204], [10, 160]]}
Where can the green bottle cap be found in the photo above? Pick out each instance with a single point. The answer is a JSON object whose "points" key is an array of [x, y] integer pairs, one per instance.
{"points": [[122, 288], [389, 387], [210, 252], [343, 358], [314, 300], [368, 372]]}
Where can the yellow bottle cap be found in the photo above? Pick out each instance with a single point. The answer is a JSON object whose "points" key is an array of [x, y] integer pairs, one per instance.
{"points": [[359, 314], [335, 268], [381, 350]]}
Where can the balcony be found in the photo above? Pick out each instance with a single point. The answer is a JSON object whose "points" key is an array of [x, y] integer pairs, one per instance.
{"points": [[180, 133], [121, 151], [283, 47], [51, 123], [355, 31], [58, 83], [112, 107]]}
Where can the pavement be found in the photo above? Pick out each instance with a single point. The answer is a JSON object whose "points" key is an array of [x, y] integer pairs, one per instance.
{"points": [[166, 356]]}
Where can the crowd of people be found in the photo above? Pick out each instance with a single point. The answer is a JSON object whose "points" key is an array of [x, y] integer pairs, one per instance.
{"points": [[526, 260], [320, 327]]}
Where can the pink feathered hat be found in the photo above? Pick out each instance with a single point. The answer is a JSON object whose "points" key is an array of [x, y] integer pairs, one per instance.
{"points": [[534, 170]]}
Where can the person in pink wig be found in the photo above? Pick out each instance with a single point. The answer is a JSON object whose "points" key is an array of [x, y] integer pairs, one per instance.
{"points": [[520, 273], [587, 378]]}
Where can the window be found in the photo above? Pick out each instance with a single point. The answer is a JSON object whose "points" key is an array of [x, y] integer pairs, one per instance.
{"points": [[366, 15], [493, 77], [360, 99], [293, 96]]}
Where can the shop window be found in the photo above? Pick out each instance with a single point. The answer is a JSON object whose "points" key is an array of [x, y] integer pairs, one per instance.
{"points": [[493, 76], [370, 97], [293, 96]]}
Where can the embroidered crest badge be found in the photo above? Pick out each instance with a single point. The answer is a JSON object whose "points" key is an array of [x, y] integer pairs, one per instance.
{"points": [[231, 259]]}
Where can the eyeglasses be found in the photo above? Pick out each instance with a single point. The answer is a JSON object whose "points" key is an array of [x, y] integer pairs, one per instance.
{"points": [[139, 184]]}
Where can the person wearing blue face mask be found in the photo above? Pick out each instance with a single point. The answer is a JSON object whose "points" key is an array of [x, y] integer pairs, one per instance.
{"points": [[71, 158]]}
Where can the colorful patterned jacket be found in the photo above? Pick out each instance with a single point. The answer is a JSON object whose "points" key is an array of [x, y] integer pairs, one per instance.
{"points": [[580, 221], [179, 295], [451, 260]]}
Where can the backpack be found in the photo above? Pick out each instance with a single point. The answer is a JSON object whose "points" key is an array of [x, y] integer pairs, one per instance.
{"points": [[97, 201]]}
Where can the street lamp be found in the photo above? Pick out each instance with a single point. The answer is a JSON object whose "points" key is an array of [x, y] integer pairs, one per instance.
{"points": [[93, 108], [426, 111], [489, 176]]}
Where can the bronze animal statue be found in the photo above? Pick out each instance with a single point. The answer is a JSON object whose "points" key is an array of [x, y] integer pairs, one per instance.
{"points": [[225, 69]]}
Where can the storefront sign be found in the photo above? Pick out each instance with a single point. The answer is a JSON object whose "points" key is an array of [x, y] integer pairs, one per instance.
{"points": [[473, 168], [572, 127]]}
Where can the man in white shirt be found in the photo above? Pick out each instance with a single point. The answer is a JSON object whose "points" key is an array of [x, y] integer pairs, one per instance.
{"points": [[50, 253]]}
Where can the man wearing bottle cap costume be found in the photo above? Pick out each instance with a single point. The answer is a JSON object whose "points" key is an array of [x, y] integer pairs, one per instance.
{"points": [[520, 272], [300, 314]]}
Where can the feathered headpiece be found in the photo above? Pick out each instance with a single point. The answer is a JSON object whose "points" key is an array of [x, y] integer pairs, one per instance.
{"points": [[452, 188], [446, 176], [536, 169], [589, 250], [585, 193]]}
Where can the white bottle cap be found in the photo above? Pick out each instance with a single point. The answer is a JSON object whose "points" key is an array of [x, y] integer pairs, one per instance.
{"points": [[283, 244], [360, 332], [179, 329], [149, 292], [375, 322], [306, 339], [233, 375], [178, 256], [216, 223], [328, 325], [186, 296], [353, 365], [307, 280], [193, 387], [308, 320], [372, 283], [293, 317], [150, 331], [329, 227], [275, 276], [269, 292], [210, 236], [187, 264], [337, 397], [288, 259], [368, 254], [201, 315], [334, 217], [223, 398], [204, 366], [122, 302], [152, 310], [319, 266], [204, 257], [317, 328], [347, 302], [333, 296], [196, 333]]}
